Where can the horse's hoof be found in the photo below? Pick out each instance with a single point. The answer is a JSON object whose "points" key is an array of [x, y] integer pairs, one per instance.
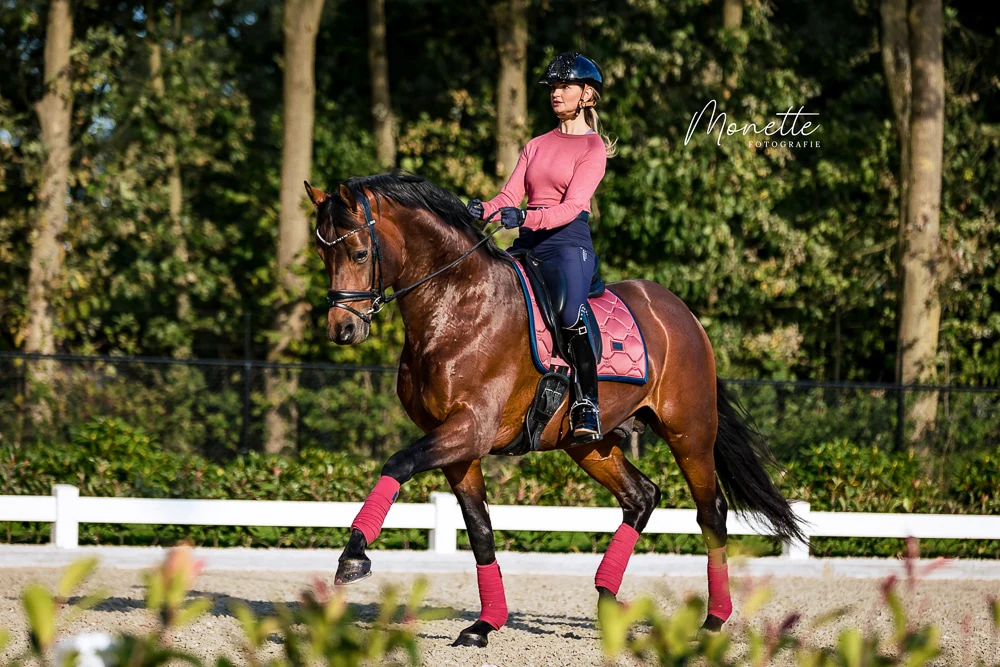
{"points": [[474, 635], [352, 570], [606, 598], [712, 623], [471, 639]]}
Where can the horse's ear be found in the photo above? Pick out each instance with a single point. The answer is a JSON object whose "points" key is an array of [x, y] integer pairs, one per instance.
{"points": [[347, 197], [316, 195]]}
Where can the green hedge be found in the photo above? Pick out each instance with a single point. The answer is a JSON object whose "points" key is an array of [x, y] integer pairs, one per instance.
{"points": [[199, 409], [109, 458]]}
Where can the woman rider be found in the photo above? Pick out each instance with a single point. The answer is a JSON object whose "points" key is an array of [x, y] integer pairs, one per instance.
{"points": [[560, 171]]}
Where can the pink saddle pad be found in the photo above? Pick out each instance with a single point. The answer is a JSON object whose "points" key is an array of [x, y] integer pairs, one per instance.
{"points": [[624, 355]]}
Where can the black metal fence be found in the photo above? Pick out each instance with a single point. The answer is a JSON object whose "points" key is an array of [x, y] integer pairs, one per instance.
{"points": [[219, 408]]}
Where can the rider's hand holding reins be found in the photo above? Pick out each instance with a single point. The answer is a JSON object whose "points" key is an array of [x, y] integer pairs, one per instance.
{"points": [[475, 208], [512, 216]]}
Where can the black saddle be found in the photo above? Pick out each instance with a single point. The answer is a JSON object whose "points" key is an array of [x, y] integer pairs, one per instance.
{"points": [[596, 283], [549, 285]]}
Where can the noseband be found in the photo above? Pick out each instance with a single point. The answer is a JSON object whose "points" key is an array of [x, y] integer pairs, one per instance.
{"points": [[340, 298]]}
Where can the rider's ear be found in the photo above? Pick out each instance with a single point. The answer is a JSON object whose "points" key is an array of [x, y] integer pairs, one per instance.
{"points": [[316, 195], [347, 197]]}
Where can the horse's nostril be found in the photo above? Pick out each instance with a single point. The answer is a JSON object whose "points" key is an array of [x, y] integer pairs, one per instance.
{"points": [[347, 332]]}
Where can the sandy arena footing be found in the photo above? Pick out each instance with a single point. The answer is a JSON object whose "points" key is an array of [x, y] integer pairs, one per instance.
{"points": [[551, 597]]}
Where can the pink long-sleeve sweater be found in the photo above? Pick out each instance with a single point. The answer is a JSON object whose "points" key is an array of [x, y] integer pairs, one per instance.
{"points": [[560, 173]]}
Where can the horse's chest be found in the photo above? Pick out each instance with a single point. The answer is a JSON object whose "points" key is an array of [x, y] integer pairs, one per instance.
{"points": [[428, 388]]}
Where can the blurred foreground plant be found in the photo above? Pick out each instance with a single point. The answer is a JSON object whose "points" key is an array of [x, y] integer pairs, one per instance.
{"points": [[677, 638], [320, 629], [45, 608], [323, 629]]}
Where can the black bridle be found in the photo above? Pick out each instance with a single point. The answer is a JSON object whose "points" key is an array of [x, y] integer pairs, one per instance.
{"points": [[340, 298]]}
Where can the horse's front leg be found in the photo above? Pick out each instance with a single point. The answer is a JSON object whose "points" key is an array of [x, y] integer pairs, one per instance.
{"points": [[466, 481], [463, 437]]}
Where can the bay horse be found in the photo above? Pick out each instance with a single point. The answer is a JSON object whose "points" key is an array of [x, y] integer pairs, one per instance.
{"points": [[466, 378]]}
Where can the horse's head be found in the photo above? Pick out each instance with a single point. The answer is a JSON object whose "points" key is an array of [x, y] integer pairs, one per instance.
{"points": [[363, 258], [347, 243]]}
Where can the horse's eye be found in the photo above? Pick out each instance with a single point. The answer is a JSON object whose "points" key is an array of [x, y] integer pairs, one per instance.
{"points": [[360, 256]]}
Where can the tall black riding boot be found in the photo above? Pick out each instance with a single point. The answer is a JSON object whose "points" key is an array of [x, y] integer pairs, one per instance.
{"points": [[585, 419]]}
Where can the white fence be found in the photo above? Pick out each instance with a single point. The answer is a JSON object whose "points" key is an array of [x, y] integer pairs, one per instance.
{"points": [[66, 509]]}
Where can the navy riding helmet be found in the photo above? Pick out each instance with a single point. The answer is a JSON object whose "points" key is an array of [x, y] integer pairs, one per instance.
{"points": [[573, 67]]}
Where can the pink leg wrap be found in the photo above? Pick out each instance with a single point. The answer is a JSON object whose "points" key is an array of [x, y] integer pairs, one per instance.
{"points": [[720, 604], [612, 569], [491, 596], [372, 515]]}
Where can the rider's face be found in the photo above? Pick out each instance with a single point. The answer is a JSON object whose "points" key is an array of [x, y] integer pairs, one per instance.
{"points": [[565, 97]]}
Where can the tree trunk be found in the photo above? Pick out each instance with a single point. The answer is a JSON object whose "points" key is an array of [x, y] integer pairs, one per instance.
{"points": [[732, 20], [177, 227], [512, 95], [732, 14], [897, 67], [378, 63], [300, 26], [54, 114], [175, 190], [922, 270]]}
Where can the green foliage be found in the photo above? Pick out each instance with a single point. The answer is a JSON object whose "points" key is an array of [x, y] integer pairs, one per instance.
{"points": [[763, 244], [110, 458], [448, 150], [787, 255], [839, 475], [126, 269], [167, 588], [198, 408], [975, 483], [643, 631], [46, 609], [795, 417], [320, 629], [356, 412], [324, 628], [41, 611]]}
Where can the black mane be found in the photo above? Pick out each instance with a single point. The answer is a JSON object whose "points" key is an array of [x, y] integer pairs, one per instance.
{"points": [[411, 191]]}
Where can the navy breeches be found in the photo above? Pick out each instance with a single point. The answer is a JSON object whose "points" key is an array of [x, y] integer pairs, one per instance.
{"points": [[569, 247], [577, 265]]}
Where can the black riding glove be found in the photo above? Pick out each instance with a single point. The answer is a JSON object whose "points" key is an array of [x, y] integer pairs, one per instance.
{"points": [[475, 208], [512, 216]]}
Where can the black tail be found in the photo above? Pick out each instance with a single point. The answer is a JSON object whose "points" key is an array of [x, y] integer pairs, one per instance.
{"points": [[740, 457]]}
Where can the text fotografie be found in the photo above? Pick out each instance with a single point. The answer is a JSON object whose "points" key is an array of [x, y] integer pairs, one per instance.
{"points": [[769, 130]]}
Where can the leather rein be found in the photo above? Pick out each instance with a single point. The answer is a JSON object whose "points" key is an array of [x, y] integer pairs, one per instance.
{"points": [[379, 299]]}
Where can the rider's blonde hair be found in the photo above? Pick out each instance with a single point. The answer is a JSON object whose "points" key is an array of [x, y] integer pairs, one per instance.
{"points": [[594, 122]]}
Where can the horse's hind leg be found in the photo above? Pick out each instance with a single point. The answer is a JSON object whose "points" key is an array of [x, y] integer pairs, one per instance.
{"points": [[466, 481], [693, 448], [636, 493]]}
